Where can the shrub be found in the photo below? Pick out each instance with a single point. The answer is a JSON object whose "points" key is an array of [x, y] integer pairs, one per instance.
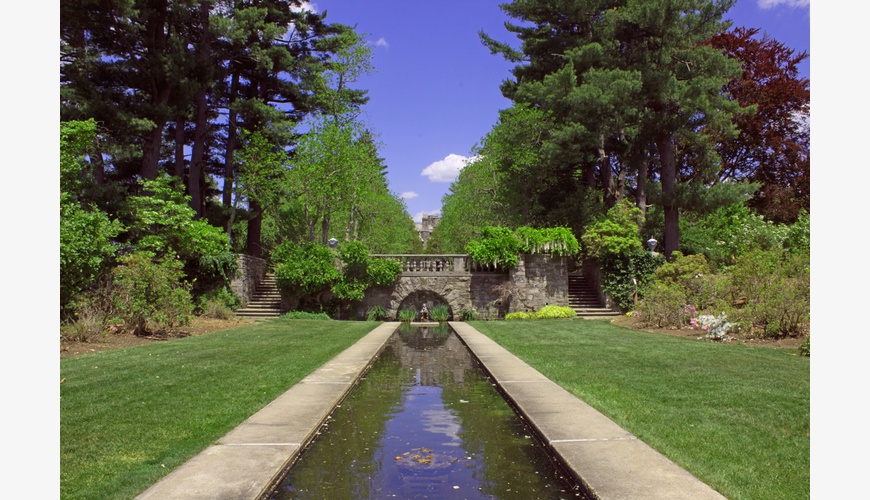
{"points": [[497, 246], [304, 269], [440, 313], [663, 305], [700, 287], [805, 347], [548, 312], [376, 313], [150, 294], [772, 291], [623, 276], [349, 290], [306, 315], [466, 314], [383, 272], [220, 303], [555, 240], [407, 315], [798, 235], [617, 233], [717, 327], [88, 325], [519, 315], [85, 247], [163, 222], [728, 233]]}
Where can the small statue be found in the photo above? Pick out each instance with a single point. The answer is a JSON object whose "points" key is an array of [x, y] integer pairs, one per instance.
{"points": [[424, 313]]}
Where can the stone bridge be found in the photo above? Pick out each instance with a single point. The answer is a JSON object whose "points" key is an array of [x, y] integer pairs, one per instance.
{"points": [[455, 281]]}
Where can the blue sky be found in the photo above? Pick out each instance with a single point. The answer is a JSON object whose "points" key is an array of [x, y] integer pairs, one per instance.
{"points": [[435, 90]]}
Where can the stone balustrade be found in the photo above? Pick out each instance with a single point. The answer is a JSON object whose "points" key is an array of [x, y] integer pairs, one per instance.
{"points": [[428, 264], [438, 264]]}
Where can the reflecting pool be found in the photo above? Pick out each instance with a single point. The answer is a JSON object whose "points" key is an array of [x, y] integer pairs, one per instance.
{"points": [[425, 422]]}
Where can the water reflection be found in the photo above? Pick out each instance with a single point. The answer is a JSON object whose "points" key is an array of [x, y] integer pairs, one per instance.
{"points": [[425, 423]]}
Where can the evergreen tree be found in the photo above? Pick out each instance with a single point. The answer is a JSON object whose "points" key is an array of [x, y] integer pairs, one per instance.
{"points": [[618, 76]]}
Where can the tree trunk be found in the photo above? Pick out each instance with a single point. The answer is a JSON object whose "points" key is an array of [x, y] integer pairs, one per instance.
{"points": [[606, 173], [194, 178], [197, 157], [640, 194], [151, 152], [156, 34], [665, 144], [589, 175], [98, 168], [179, 146], [324, 229], [620, 185], [255, 225], [232, 131]]}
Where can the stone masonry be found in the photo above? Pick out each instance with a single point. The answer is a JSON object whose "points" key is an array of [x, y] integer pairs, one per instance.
{"points": [[537, 281], [250, 273]]}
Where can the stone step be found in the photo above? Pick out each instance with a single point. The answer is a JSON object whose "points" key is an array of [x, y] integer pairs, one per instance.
{"points": [[265, 302]]}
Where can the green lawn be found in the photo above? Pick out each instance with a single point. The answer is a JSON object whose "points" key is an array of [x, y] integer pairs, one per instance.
{"points": [[129, 416], [735, 416]]}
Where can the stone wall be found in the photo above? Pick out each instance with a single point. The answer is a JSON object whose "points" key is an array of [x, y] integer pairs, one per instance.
{"points": [[249, 274], [537, 281]]}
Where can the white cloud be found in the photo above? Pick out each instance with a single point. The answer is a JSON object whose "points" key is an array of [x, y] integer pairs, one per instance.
{"points": [[407, 195], [445, 170], [309, 6], [382, 42], [770, 4]]}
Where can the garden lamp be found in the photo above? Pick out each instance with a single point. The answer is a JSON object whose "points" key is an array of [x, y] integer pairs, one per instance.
{"points": [[332, 242], [651, 243]]}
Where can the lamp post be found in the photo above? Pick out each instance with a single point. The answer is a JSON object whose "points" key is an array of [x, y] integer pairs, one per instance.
{"points": [[651, 243], [332, 242]]}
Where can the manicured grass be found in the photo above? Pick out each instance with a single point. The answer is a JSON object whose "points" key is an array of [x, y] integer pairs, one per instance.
{"points": [[129, 416], [735, 416]]}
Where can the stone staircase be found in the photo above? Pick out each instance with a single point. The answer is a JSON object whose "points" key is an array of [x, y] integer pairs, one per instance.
{"points": [[583, 298], [266, 301]]}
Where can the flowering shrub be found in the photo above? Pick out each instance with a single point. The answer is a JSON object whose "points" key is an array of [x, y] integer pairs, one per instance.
{"points": [[716, 326]]}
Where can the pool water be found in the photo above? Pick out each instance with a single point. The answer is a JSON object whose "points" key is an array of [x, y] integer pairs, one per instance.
{"points": [[425, 422]]}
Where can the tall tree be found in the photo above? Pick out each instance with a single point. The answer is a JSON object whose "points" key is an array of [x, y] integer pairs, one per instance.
{"points": [[617, 74], [773, 146]]}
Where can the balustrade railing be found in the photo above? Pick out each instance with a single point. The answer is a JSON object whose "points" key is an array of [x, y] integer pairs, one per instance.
{"points": [[428, 263], [434, 264]]}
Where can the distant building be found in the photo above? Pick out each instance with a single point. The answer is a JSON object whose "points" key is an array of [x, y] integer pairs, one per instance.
{"points": [[424, 228]]}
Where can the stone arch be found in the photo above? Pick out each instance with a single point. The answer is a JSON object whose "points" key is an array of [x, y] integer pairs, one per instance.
{"points": [[455, 291]]}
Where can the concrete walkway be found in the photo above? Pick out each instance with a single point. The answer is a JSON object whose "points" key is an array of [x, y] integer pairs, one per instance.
{"points": [[249, 461]]}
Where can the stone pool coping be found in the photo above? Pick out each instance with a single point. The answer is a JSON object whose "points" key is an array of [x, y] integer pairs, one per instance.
{"points": [[608, 460], [249, 461]]}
